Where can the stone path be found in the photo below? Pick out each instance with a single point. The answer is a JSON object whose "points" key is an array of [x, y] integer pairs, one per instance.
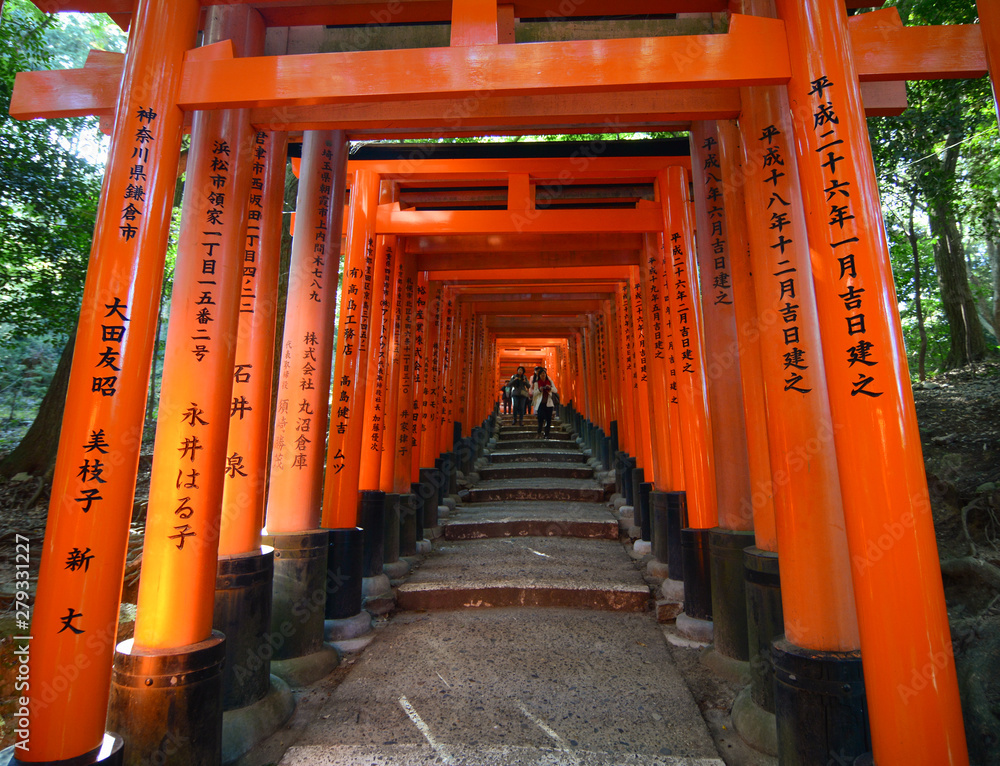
{"points": [[573, 670]]}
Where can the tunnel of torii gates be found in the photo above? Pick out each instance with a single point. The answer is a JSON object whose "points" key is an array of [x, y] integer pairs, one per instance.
{"points": [[718, 314]]}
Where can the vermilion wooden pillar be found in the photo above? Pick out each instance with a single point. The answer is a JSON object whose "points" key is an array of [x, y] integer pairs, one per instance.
{"points": [[375, 345], [177, 590], [249, 417], [644, 448], [758, 506], [465, 407], [448, 371], [673, 384], [652, 277], [695, 420], [898, 591], [629, 383], [340, 492], [404, 438], [430, 404], [420, 346], [75, 615], [815, 571], [296, 477], [391, 400], [722, 359]]}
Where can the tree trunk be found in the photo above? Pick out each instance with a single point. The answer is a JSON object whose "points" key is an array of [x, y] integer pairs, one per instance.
{"points": [[994, 251], [36, 454], [911, 234], [968, 342]]}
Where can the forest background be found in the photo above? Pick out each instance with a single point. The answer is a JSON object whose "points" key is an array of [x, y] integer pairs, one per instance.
{"points": [[937, 164]]}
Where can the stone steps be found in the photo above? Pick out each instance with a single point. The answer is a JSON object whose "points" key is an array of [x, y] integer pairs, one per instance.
{"points": [[512, 434], [474, 687], [501, 755], [530, 519], [537, 489], [536, 470], [539, 442], [527, 571], [537, 456]]}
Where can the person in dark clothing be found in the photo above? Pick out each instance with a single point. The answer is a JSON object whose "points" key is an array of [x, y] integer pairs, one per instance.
{"points": [[520, 390], [542, 392]]}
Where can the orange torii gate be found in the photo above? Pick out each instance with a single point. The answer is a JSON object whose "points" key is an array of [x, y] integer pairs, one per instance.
{"points": [[829, 69]]}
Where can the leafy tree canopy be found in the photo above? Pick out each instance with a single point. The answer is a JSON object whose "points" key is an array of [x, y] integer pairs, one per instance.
{"points": [[50, 188]]}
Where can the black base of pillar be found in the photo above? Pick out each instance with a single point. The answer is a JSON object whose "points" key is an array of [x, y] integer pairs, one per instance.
{"points": [[243, 586], [345, 572], [765, 621], [606, 453], [390, 536], [820, 706], [620, 473], [630, 466], [645, 512], [298, 597], [408, 525], [676, 520], [638, 477], [697, 573], [658, 526], [729, 599], [167, 703], [110, 753], [371, 517], [428, 492], [417, 492]]}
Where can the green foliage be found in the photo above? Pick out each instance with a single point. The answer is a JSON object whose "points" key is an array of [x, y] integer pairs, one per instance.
{"points": [[938, 156], [49, 195], [48, 199]]}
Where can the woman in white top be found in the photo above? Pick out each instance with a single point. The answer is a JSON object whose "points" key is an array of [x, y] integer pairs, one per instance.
{"points": [[541, 399]]}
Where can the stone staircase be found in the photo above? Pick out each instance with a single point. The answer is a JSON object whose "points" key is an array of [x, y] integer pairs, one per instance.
{"points": [[573, 669]]}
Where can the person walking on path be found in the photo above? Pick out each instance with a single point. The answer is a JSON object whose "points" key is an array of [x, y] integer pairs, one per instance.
{"points": [[505, 397], [542, 394], [519, 391], [531, 404]]}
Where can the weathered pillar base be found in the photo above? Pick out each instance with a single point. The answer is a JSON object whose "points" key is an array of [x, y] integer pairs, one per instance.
{"points": [[246, 727], [765, 621], [694, 629], [300, 672], [167, 703], [697, 573], [641, 548], [243, 585], [396, 570], [299, 591], [676, 520], [110, 753], [736, 671], [346, 622], [645, 512], [729, 599], [350, 634], [298, 607], [377, 596], [820, 705], [756, 726], [628, 483], [657, 566], [408, 525]]}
